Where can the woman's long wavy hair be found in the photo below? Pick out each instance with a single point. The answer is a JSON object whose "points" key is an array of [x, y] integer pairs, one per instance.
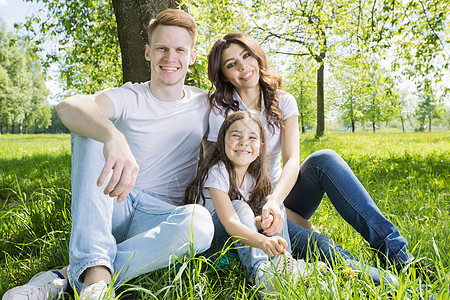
{"points": [[258, 169], [269, 80]]}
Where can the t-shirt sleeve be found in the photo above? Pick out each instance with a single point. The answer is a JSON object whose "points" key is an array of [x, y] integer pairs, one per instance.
{"points": [[123, 100], [288, 106], [215, 122], [218, 178]]}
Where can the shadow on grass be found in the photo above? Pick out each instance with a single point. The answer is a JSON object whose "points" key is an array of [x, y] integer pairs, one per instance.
{"points": [[31, 173]]}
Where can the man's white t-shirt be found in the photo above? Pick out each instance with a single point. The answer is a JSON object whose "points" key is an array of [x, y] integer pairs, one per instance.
{"points": [[288, 107], [164, 137], [219, 178]]}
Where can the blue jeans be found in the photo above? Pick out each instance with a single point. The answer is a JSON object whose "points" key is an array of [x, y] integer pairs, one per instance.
{"points": [[250, 257], [136, 236], [325, 171]]}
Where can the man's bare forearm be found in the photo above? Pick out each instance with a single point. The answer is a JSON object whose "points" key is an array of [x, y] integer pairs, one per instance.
{"points": [[83, 116]]}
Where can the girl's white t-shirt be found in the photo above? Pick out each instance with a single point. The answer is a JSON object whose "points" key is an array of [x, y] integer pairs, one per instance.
{"points": [[219, 178], [288, 106], [164, 137]]}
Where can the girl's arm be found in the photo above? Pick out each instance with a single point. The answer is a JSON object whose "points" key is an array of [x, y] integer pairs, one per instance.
{"points": [[234, 227]]}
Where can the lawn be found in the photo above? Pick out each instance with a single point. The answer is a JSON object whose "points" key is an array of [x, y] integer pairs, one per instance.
{"points": [[407, 175]]}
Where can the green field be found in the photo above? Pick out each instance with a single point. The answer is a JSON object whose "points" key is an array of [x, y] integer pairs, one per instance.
{"points": [[407, 175]]}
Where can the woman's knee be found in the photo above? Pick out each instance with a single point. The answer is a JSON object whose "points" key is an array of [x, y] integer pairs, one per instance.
{"points": [[324, 158]]}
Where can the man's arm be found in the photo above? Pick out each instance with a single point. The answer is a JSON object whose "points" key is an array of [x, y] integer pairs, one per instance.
{"points": [[88, 115]]}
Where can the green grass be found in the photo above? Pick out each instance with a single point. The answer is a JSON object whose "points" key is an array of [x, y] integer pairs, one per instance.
{"points": [[407, 175]]}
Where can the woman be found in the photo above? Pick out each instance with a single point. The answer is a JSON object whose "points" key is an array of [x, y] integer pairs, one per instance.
{"points": [[238, 69]]}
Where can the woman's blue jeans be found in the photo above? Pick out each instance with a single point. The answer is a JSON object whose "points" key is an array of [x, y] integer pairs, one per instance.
{"points": [[323, 172]]}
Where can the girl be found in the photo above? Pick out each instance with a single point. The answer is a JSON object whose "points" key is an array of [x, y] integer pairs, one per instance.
{"points": [[239, 72], [232, 182]]}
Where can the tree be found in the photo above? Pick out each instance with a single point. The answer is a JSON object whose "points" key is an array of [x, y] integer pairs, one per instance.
{"points": [[427, 110], [380, 101], [23, 95], [132, 22], [347, 91], [94, 51], [302, 86]]}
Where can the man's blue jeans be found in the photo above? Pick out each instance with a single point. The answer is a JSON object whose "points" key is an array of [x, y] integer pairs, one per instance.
{"points": [[326, 172], [136, 236]]}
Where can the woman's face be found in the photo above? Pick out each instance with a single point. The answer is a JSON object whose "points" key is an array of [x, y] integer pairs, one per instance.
{"points": [[239, 67]]}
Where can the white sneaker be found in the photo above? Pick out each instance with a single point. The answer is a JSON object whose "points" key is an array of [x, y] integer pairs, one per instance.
{"points": [[282, 264], [97, 291], [43, 286], [305, 269]]}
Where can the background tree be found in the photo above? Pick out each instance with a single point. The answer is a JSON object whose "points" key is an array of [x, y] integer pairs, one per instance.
{"points": [[22, 92], [380, 100], [346, 91], [427, 110], [99, 42], [326, 32], [301, 85]]}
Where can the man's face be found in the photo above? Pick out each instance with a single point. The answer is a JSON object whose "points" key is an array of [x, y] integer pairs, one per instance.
{"points": [[170, 53]]}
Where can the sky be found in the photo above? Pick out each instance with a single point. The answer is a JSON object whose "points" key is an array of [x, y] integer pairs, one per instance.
{"points": [[15, 11]]}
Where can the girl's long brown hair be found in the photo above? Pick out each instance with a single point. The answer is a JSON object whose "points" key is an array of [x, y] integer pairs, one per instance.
{"points": [[269, 81], [258, 168]]}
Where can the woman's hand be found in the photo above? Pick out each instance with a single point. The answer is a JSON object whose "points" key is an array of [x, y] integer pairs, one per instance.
{"points": [[273, 245], [272, 219]]}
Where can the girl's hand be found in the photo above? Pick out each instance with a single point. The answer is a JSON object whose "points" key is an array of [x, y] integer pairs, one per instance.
{"points": [[262, 225], [274, 245]]}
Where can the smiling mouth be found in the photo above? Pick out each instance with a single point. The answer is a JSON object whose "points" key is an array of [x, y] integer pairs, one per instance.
{"points": [[242, 152], [248, 75], [169, 69]]}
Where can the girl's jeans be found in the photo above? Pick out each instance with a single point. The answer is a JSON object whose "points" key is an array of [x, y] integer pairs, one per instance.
{"points": [[137, 236], [325, 171], [250, 257]]}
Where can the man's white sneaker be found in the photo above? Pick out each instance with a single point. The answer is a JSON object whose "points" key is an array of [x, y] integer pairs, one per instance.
{"points": [[97, 291], [43, 286]]}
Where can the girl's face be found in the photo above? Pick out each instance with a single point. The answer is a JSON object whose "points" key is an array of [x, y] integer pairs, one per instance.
{"points": [[242, 142], [239, 67]]}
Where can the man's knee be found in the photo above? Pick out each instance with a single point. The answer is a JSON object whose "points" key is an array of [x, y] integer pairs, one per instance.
{"points": [[202, 227]]}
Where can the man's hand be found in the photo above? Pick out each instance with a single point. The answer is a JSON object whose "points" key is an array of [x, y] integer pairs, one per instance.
{"points": [[272, 220], [118, 157]]}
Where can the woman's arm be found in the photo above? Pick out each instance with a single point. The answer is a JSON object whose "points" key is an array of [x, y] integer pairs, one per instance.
{"points": [[234, 227], [290, 147]]}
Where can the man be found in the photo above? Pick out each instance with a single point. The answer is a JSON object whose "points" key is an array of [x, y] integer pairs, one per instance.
{"points": [[150, 134]]}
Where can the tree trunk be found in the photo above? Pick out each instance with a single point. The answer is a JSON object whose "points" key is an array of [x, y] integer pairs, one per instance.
{"points": [[132, 17], [320, 100], [403, 123], [429, 123], [26, 124], [353, 126], [302, 122], [373, 126], [12, 127]]}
